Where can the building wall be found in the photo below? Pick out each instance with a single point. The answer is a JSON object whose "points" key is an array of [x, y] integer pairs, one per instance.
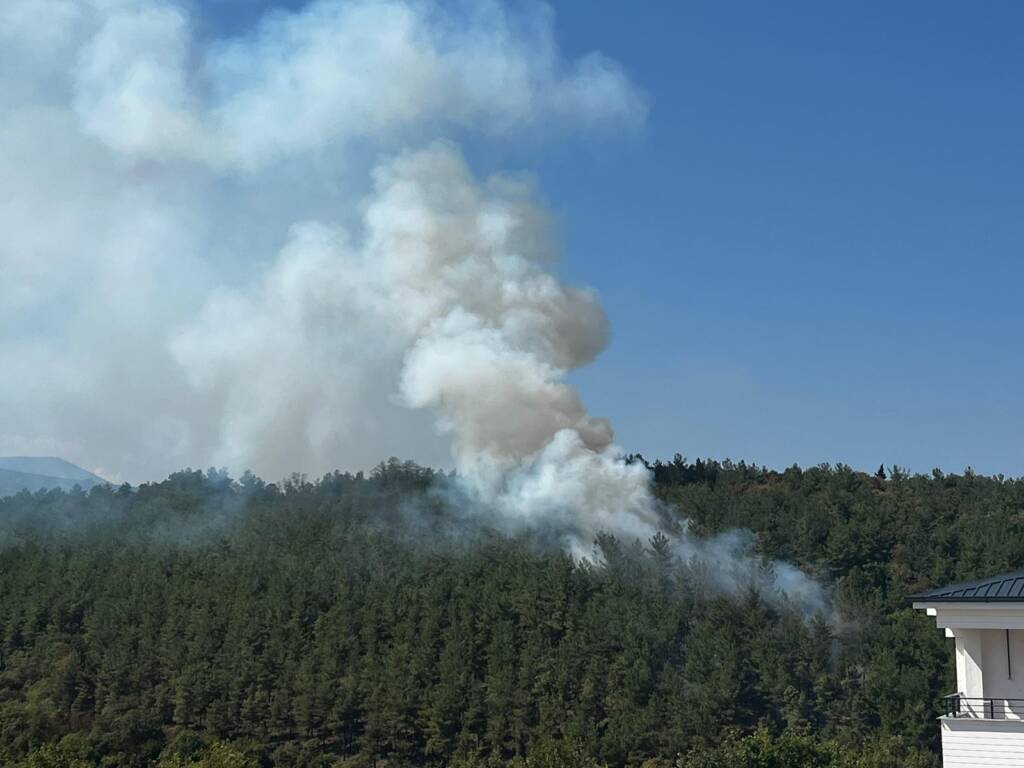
{"points": [[976, 615], [1003, 678], [969, 677], [968, 743]]}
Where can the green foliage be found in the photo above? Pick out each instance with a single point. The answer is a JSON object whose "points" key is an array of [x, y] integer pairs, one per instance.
{"points": [[761, 750], [217, 755], [357, 621], [73, 751], [794, 750]]}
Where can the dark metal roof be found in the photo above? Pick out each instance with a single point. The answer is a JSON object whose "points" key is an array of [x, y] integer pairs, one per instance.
{"points": [[1007, 587]]}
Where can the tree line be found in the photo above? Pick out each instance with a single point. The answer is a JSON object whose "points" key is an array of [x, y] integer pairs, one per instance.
{"points": [[355, 621]]}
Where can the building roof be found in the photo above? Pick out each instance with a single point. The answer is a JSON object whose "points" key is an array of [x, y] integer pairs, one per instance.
{"points": [[1005, 588]]}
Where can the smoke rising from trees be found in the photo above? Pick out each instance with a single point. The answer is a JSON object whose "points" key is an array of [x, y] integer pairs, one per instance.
{"points": [[150, 169], [198, 271]]}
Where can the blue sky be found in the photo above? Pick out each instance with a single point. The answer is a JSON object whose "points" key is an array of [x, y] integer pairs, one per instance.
{"points": [[811, 251]]}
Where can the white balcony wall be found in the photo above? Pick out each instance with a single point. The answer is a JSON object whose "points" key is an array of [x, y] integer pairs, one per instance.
{"points": [[968, 743]]}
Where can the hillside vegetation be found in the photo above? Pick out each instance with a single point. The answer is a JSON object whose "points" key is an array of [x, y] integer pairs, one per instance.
{"points": [[357, 621]]}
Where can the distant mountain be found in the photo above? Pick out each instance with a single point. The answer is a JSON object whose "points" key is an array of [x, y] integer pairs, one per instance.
{"points": [[30, 473]]}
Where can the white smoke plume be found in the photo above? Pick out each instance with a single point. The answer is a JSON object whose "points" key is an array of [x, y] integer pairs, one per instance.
{"points": [[190, 276], [445, 285], [146, 166]]}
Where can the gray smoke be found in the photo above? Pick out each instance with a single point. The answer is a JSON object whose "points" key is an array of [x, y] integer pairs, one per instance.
{"points": [[196, 272]]}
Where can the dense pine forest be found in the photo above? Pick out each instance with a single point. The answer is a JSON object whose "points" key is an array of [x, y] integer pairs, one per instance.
{"points": [[358, 621]]}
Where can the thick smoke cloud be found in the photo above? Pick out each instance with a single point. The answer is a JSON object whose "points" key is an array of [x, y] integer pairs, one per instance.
{"points": [[337, 71], [444, 287], [196, 272], [147, 169]]}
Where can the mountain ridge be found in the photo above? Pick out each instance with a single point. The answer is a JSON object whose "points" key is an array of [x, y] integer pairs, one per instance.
{"points": [[36, 473]]}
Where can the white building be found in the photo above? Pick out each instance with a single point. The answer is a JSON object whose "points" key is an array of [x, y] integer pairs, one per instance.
{"points": [[984, 720]]}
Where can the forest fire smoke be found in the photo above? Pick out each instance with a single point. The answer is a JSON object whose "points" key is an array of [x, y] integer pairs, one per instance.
{"points": [[185, 163], [452, 274]]}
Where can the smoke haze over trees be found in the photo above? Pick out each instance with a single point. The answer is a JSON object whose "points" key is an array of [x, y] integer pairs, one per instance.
{"points": [[420, 311], [343, 621]]}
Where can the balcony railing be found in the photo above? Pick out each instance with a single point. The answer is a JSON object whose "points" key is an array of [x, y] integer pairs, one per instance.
{"points": [[956, 705]]}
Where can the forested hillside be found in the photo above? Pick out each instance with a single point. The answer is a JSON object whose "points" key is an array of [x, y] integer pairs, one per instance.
{"points": [[357, 621]]}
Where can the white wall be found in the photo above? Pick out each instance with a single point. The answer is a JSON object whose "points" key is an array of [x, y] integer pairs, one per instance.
{"points": [[969, 660], [999, 681], [982, 743]]}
